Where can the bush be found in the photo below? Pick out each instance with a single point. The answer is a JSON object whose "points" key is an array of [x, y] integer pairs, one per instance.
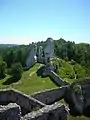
{"points": [[3, 67], [66, 70], [79, 71], [16, 70]]}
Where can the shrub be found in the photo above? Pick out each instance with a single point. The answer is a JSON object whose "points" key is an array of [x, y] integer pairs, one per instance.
{"points": [[16, 70], [3, 67]]}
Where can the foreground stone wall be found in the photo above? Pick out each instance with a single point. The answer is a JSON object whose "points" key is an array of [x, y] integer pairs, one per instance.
{"points": [[26, 103], [10, 112], [49, 112], [33, 109], [50, 96]]}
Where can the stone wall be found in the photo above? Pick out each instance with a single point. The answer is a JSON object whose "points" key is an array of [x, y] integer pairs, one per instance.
{"points": [[33, 109], [56, 79], [49, 112], [26, 103], [48, 70], [10, 112], [86, 95], [50, 96]]}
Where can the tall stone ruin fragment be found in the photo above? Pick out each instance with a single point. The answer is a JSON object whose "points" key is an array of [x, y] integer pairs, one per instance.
{"points": [[44, 54], [48, 50], [31, 59]]}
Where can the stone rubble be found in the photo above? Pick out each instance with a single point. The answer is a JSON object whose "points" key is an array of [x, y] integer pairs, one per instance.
{"points": [[10, 112]]}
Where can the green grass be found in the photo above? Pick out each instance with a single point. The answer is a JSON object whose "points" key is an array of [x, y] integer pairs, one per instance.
{"points": [[29, 84], [33, 84], [67, 71], [77, 118], [35, 67]]}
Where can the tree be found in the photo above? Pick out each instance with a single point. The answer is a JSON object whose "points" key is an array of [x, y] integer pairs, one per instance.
{"points": [[19, 56], [9, 58], [3, 67], [0, 58], [16, 70]]}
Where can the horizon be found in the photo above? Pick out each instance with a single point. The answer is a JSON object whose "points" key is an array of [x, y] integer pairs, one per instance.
{"points": [[27, 21], [44, 41]]}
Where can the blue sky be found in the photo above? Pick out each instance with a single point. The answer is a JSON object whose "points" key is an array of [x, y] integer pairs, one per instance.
{"points": [[26, 21]]}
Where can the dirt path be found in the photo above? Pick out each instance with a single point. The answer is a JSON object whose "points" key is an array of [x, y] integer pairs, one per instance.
{"points": [[35, 70]]}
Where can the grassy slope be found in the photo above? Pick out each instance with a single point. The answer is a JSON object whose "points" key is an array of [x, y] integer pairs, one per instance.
{"points": [[67, 70], [29, 84], [77, 118], [32, 84]]}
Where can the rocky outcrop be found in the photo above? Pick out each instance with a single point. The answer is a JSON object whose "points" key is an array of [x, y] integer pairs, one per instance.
{"points": [[31, 59], [48, 50]]}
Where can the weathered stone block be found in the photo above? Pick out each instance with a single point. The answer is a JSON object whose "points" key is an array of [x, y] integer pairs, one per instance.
{"points": [[49, 112], [10, 112]]}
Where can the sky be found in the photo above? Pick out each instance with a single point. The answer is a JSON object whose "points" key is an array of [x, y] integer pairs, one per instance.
{"points": [[26, 21]]}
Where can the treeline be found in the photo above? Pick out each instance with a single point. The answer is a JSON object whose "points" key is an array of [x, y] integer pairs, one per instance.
{"points": [[14, 57], [14, 54], [68, 50], [80, 53]]}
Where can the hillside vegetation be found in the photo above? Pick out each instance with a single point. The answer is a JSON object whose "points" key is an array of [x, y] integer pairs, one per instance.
{"points": [[70, 70], [30, 82], [72, 60]]}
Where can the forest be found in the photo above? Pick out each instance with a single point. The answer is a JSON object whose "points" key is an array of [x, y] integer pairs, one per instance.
{"points": [[13, 57]]}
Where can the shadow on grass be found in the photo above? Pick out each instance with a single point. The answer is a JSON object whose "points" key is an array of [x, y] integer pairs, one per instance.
{"points": [[40, 71], [10, 81], [28, 67], [2, 77]]}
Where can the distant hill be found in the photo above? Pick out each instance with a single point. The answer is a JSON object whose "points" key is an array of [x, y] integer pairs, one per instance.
{"points": [[7, 45]]}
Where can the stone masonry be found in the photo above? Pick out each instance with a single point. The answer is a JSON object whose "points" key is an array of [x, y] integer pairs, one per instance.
{"points": [[49, 112], [50, 96], [10, 112], [32, 109], [26, 103]]}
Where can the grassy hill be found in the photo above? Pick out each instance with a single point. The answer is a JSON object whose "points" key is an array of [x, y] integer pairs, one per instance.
{"points": [[30, 82], [70, 71]]}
